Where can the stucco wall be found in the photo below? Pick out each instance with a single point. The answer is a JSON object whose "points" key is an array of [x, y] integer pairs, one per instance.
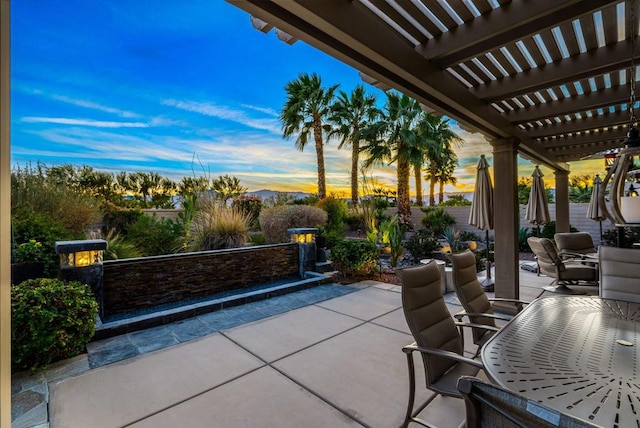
{"points": [[577, 218]]}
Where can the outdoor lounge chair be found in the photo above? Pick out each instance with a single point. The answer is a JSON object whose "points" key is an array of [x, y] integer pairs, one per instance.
{"points": [[490, 406], [436, 336], [574, 244], [619, 273], [476, 304], [564, 272]]}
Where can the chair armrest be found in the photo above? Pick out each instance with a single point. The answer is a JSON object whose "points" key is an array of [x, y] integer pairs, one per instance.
{"points": [[441, 353], [463, 314], [474, 325], [504, 299]]}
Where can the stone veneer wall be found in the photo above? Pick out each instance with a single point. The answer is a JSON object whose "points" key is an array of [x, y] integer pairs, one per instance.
{"points": [[141, 283]]}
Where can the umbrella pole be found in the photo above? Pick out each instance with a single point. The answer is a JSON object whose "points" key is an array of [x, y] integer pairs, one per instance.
{"points": [[487, 283], [600, 231]]}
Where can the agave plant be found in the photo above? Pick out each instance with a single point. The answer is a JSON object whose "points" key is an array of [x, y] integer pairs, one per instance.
{"points": [[452, 237]]}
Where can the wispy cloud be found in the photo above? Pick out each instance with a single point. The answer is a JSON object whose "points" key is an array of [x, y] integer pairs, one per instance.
{"points": [[265, 110], [84, 122], [94, 106], [226, 113]]}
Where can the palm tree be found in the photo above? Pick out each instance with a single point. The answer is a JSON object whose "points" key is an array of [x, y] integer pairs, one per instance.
{"points": [[306, 111], [351, 114], [446, 173], [443, 137], [391, 139]]}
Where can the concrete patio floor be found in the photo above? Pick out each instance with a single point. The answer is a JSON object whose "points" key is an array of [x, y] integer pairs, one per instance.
{"points": [[333, 363]]}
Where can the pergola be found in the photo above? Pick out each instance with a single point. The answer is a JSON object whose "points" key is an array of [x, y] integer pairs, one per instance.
{"points": [[546, 79]]}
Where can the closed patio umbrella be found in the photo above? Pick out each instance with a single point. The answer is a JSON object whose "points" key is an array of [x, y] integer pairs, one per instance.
{"points": [[537, 207], [481, 215], [595, 210]]}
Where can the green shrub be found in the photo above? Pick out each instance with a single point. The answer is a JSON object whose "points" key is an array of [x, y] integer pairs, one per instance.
{"points": [[257, 238], [42, 228], [355, 258], [51, 320], [436, 219], [455, 201], [117, 218], [337, 210], [421, 245], [217, 227], [28, 252], [275, 221], [154, 236], [549, 230], [35, 190], [250, 206]]}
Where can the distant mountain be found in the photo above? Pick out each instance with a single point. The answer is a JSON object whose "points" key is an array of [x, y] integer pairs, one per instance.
{"points": [[267, 194]]}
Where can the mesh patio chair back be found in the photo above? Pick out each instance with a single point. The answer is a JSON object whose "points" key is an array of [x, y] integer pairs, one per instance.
{"points": [[619, 273], [489, 406], [430, 323], [470, 293]]}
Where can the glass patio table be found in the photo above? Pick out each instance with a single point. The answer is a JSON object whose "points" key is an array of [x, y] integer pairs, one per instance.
{"points": [[578, 355]]}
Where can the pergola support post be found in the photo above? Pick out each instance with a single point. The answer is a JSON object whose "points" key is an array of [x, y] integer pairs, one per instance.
{"points": [[562, 200], [506, 220], [5, 216]]}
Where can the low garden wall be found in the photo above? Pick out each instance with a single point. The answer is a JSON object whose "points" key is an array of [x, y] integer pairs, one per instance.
{"points": [[137, 284]]}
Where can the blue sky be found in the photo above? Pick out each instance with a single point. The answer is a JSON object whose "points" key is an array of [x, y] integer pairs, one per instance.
{"points": [[180, 88]]}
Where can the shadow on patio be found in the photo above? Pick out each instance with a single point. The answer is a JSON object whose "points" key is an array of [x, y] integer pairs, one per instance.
{"points": [[336, 362]]}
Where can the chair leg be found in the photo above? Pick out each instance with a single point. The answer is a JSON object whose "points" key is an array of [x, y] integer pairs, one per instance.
{"points": [[412, 390]]}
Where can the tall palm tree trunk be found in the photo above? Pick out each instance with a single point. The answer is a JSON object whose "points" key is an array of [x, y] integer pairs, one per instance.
{"points": [[317, 135], [355, 151], [404, 205], [441, 192], [432, 191], [418, 177]]}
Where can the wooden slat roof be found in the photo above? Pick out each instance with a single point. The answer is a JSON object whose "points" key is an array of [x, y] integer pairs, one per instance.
{"points": [[552, 73]]}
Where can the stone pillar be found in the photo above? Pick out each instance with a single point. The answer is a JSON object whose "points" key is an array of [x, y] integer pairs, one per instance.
{"points": [[506, 221], [82, 261], [306, 239], [5, 214], [562, 200]]}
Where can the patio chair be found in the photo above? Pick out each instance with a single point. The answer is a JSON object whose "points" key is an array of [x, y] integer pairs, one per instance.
{"points": [[491, 406], [574, 244], [619, 273], [564, 272], [436, 336], [477, 306]]}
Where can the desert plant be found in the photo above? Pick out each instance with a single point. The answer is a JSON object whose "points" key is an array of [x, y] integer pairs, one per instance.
{"points": [[422, 244], [523, 234], [452, 237], [396, 236], [33, 190], [119, 248], [437, 219], [51, 320], [154, 236], [275, 221], [355, 258], [337, 210], [250, 206], [218, 227]]}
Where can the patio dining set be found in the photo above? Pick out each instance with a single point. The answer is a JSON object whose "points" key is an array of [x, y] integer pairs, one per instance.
{"points": [[562, 360]]}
